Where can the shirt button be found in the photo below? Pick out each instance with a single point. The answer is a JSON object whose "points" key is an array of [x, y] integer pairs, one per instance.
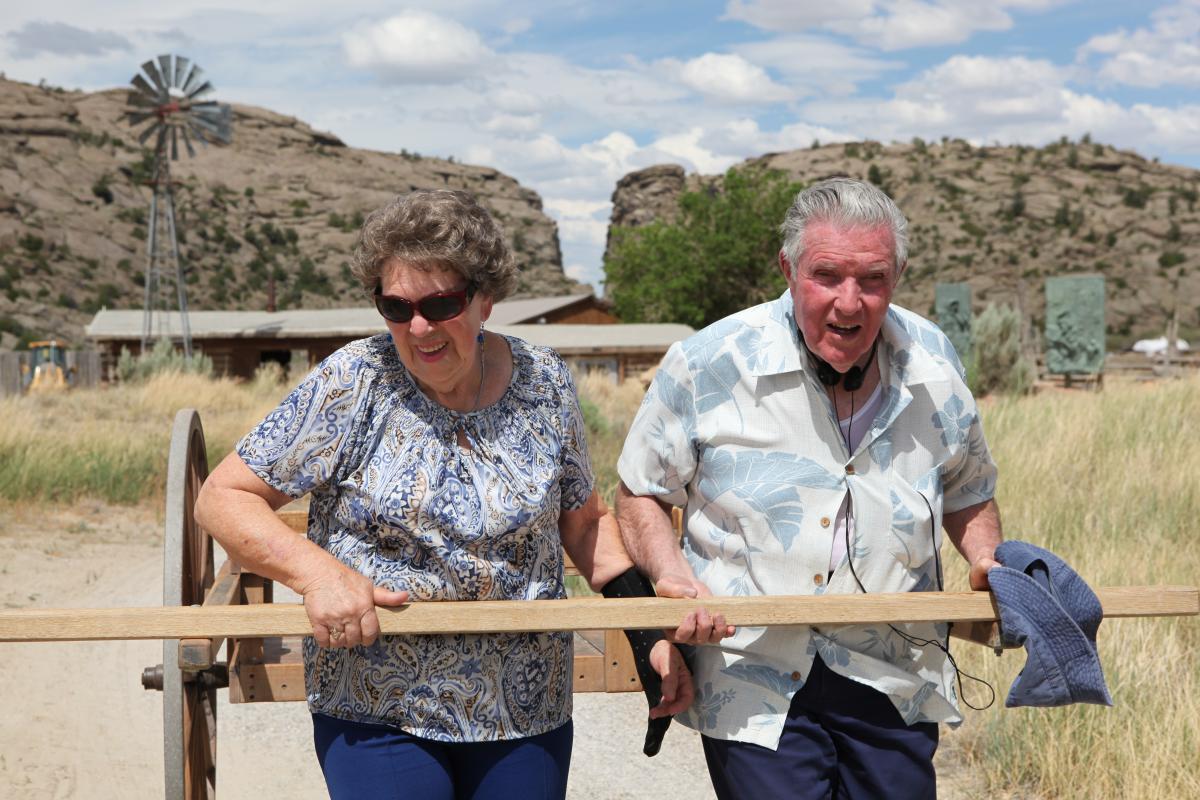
{"points": [[818, 579], [824, 522], [849, 469], [795, 676]]}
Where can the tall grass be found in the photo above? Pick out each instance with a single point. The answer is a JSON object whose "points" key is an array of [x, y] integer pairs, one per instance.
{"points": [[1110, 481], [112, 442]]}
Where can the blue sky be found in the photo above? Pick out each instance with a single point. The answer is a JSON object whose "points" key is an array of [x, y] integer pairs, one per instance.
{"points": [[567, 97]]}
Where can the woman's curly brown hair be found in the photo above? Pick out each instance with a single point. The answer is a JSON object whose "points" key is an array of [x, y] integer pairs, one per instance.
{"points": [[436, 229]]}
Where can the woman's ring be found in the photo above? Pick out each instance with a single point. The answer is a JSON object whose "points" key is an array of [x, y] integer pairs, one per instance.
{"points": [[335, 634]]}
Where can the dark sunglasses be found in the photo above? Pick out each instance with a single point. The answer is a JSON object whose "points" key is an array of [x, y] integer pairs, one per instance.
{"points": [[437, 307]]}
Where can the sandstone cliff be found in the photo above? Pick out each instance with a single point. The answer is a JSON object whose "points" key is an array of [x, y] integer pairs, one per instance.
{"points": [[1005, 218], [283, 201]]}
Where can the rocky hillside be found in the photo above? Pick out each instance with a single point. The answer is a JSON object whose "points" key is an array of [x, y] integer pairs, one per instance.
{"points": [[1005, 218], [283, 200]]}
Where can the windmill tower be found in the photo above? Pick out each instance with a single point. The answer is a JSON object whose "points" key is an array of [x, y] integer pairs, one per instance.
{"points": [[169, 95]]}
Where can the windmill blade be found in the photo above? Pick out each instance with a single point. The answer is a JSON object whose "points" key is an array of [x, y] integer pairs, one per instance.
{"points": [[202, 89], [174, 143], [139, 101], [208, 130], [181, 67], [212, 110], [217, 120], [136, 118], [190, 73], [147, 91], [168, 73], [146, 133], [151, 70], [201, 135], [187, 142], [193, 80]]}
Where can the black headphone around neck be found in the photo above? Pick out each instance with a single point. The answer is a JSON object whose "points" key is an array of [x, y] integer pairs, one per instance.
{"points": [[851, 380]]}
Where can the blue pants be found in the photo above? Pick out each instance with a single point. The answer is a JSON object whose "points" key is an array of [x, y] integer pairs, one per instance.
{"points": [[380, 762], [841, 740]]}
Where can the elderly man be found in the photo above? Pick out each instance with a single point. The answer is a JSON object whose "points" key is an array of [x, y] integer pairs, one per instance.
{"points": [[815, 442]]}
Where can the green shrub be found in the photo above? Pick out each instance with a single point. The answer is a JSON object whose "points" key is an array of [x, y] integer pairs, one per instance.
{"points": [[162, 358], [31, 244], [593, 418], [101, 190], [1171, 258], [1137, 197], [997, 364]]}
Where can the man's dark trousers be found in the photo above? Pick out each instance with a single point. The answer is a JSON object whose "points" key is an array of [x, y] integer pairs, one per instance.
{"points": [[841, 740]]}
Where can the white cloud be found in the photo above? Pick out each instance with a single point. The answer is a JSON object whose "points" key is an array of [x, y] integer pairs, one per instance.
{"points": [[909, 23], [581, 273], [1009, 100], [62, 39], [1166, 54], [817, 64], [417, 47], [729, 78], [887, 24], [582, 221], [796, 15], [517, 26], [513, 123], [514, 101]]}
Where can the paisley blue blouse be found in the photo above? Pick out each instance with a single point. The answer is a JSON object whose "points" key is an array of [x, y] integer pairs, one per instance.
{"points": [[395, 497]]}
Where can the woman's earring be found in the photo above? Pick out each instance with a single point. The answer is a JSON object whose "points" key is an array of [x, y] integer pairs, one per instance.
{"points": [[479, 338]]}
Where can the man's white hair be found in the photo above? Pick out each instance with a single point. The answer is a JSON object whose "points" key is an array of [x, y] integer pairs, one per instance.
{"points": [[843, 201]]}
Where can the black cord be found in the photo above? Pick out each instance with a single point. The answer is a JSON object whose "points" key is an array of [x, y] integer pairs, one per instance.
{"points": [[917, 641]]}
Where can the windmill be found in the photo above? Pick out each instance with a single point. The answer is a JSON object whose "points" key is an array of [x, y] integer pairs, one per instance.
{"points": [[169, 95]]}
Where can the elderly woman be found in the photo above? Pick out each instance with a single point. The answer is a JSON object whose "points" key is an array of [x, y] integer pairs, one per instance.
{"points": [[445, 462]]}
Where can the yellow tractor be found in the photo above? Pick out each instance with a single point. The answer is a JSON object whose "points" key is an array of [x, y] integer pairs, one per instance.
{"points": [[47, 371]]}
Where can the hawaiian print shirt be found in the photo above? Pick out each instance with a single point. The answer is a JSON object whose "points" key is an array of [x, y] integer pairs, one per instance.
{"points": [[737, 429], [395, 497]]}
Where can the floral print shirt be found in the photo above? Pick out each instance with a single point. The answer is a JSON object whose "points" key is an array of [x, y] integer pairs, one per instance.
{"points": [[395, 497], [738, 430]]}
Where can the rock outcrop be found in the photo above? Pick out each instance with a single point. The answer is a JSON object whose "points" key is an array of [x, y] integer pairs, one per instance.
{"points": [[1005, 218], [282, 202]]}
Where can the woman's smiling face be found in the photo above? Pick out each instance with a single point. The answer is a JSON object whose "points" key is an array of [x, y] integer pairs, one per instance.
{"points": [[443, 357]]}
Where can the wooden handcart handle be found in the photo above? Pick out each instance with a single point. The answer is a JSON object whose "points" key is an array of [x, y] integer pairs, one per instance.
{"points": [[507, 616]]}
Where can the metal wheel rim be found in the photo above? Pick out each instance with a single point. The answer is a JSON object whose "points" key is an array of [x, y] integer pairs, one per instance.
{"points": [[189, 708]]}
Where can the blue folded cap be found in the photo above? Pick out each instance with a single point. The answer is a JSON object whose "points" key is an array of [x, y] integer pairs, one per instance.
{"points": [[1051, 611]]}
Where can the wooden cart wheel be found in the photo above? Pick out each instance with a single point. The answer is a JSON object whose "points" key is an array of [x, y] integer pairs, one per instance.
{"points": [[189, 699]]}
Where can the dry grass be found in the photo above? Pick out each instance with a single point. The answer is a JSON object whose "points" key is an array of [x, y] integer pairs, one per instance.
{"points": [[111, 442], [1109, 481], [612, 408]]}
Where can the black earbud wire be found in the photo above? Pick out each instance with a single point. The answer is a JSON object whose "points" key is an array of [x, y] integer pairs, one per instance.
{"points": [[959, 674]]}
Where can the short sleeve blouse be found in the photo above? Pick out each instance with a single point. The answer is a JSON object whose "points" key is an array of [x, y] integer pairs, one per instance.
{"points": [[395, 497]]}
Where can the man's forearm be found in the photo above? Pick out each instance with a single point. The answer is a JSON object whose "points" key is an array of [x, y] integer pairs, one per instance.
{"points": [[976, 533], [975, 530], [649, 536]]}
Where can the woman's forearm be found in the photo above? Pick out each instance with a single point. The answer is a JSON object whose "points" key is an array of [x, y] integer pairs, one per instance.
{"points": [[241, 517]]}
